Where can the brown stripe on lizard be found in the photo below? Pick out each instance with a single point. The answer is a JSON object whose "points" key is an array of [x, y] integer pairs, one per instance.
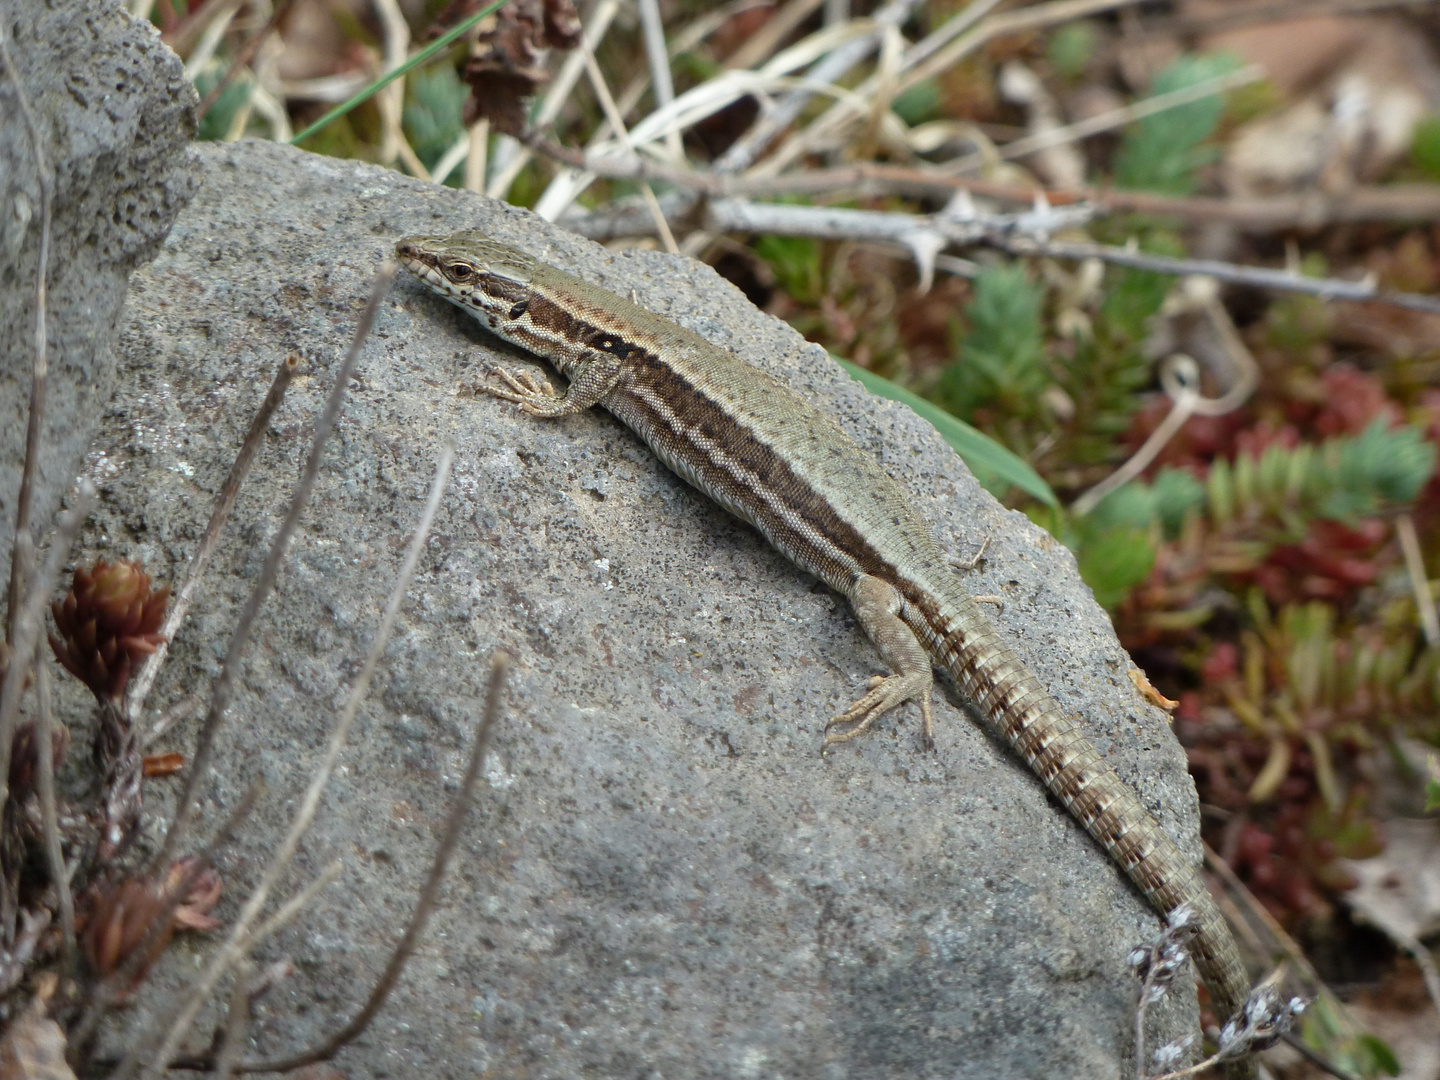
{"points": [[749, 442]]}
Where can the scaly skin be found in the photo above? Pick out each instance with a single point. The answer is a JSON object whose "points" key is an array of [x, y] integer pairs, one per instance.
{"points": [[750, 443]]}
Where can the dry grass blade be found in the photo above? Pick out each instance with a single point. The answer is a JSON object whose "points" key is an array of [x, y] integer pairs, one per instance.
{"points": [[1419, 587], [229, 491], [458, 813], [927, 58], [19, 563], [510, 156], [658, 58], [220, 696], [234, 946], [752, 144], [1112, 119], [49, 818], [243, 58]]}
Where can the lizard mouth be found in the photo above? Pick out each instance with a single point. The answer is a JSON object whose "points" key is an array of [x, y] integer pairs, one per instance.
{"points": [[415, 258]]}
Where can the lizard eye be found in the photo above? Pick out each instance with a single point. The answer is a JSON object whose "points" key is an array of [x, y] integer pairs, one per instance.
{"points": [[461, 271]]}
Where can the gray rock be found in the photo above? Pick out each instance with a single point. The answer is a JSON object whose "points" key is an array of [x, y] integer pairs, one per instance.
{"points": [[115, 114], [664, 877]]}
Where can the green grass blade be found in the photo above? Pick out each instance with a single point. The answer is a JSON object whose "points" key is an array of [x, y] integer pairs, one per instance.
{"points": [[415, 61], [988, 460]]}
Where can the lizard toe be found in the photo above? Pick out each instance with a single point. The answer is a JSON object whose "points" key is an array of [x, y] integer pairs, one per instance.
{"points": [[886, 692]]}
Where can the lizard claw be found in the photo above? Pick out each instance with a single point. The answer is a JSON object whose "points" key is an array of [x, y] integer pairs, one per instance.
{"points": [[885, 692], [522, 388]]}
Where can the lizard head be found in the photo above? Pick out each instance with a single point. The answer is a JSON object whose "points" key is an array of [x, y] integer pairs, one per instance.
{"points": [[469, 268]]}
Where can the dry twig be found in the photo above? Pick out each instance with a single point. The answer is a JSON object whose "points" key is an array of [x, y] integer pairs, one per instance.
{"points": [[224, 683], [238, 941], [426, 902], [229, 491]]}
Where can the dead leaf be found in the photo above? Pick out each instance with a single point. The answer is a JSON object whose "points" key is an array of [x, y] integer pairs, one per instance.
{"points": [[1149, 693], [33, 1047], [509, 62]]}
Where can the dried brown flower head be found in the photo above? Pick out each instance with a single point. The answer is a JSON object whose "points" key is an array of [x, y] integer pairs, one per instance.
{"points": [[120, 916], [509, 63], [110, 618]]}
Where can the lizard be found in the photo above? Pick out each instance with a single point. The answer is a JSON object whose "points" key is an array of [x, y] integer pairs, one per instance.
{"points": [[762, 452]]}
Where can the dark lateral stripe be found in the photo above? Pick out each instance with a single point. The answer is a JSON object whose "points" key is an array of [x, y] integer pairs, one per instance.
{"points": [[722, 454], [732, 460]]}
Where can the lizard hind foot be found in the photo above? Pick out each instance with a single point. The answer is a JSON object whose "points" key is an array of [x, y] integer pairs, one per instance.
{"points": [[885, 692]]}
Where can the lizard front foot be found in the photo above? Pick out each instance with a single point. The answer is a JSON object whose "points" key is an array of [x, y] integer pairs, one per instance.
{"points": [[535, 396], [886, 692]]}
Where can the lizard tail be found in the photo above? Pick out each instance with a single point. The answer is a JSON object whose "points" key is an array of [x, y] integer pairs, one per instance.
{"points": [[1021, 712]]}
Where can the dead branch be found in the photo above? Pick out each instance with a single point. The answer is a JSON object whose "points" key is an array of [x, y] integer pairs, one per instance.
{"points": [[224, 505], [19, 562], [220, 696], [426, 903], [1233, 273], [1391, 203]]}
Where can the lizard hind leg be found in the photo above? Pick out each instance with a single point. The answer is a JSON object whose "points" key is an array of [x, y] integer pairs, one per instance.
{"points": [[877, 605]]}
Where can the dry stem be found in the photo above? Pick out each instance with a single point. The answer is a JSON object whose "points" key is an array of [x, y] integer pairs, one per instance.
{"points": [[19, 563], [110, 990], [27, 632], [236, 941], [426, 903], [224, 505], [49, 818], [220, 696]]}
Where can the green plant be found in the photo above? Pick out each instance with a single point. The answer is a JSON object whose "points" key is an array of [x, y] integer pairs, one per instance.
{"points": [[1000, 364], [1425, 147], [1339, 479], [1070, 49], [1163, 152], [997, 469], [1106, 369], [918, 103], [433, 112], [215, 124], [796, 263]]}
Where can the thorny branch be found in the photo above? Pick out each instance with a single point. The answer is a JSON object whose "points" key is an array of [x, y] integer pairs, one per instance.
{"points": [[925, 236], [1397, 202]]}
